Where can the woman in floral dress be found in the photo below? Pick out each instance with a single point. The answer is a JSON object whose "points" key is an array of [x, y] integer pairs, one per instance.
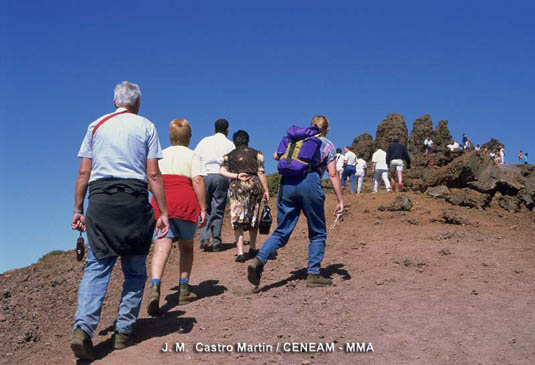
{"points": [[245, 166]]}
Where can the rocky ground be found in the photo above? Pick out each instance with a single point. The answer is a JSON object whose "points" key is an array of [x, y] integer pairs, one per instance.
{"points": [[438, 284]]}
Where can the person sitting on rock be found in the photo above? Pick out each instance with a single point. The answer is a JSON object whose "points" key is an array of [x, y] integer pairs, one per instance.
{"points": [[453, 146], [395, 155], [478, 148]]}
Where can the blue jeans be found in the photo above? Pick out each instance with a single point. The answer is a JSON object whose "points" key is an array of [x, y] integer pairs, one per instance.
{"points": [[296, 195], [349, 171], [93, 289]]}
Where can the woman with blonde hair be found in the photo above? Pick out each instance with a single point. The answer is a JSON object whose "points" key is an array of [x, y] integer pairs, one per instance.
{"points": [[183, 173], [304, 194]]}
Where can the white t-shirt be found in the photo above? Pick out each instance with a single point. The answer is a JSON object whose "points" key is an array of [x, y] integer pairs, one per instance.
{"points": [[350, 158], [181, 160], [120, 147], [428, 142], [379, 157], [361, 164], [212, 149], [339, 161]]}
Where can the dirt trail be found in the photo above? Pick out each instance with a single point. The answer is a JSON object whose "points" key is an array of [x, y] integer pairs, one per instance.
{"points": [[418, 290]]}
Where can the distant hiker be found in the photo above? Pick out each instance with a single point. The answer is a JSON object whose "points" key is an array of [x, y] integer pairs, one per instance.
{"points": [[300, 191], [350, 162], [360, 172], [465, 138], [468, 146], [502, 155], [492, 155], [245, 167], [212, 149], [478, 148], [380, 169], [395, 155], [520, 156], [453, 146], [428, 144], [339, 162], [525, 159], [183, 178], [119, 153]]}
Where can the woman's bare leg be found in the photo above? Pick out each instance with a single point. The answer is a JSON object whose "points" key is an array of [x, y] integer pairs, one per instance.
{"points": [[186, 258], [253, 233], [238, 235], [162, 249]]}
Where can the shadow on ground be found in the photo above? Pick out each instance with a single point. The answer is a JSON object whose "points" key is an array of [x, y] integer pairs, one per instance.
{"points": [[301, 274], [205, 289]]}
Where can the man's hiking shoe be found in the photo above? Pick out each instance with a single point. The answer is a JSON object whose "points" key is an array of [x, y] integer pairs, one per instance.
{"points": [[185, 295], [122, 340], [254, 271], [314, 281], [153, 307], [205, 244], [81, 345]]}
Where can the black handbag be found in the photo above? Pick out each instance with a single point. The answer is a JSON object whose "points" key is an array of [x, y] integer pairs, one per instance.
{"points": [[264, 225], [80, 248]]}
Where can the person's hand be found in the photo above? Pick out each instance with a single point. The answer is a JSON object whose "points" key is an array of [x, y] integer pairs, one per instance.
{"points": [[162, 225], [78, 222], [339, 208], [243, 176], [266, 196], [202, 220]]}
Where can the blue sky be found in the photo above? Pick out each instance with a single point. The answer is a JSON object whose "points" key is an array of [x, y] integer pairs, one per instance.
{"points": [[263, 65]]}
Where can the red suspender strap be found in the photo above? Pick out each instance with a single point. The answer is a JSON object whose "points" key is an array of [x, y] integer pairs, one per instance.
{"points": [[105, 119]]}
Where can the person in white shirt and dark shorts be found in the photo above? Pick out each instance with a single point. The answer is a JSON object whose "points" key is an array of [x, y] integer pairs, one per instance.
{"points": [[212, 149]]}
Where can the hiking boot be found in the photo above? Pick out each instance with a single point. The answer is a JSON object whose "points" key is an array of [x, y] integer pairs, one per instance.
{"points": [[241, 258], [254, 271], [185, 294], [122, 340], [153, 307], [205, 244], [81, 345], [315, 280], [215, 248]]}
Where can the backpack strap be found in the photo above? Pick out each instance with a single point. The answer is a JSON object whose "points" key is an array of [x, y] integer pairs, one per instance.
{"points": [[105, 119]]}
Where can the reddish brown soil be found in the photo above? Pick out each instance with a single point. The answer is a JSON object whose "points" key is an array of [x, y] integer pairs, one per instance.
{"points": [[422, 292]]}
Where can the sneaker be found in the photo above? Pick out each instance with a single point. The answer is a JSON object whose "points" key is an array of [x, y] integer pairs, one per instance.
{"points": [[400, 187], [81, 345], [254, 271], [185, 294], [216, 248], [241, 258], [205, 244], [122, 340], [314, 281], [252, 253], [153, 307]]}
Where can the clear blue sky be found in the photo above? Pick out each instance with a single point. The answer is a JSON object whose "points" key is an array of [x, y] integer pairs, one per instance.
{"points": [[260, 64]]}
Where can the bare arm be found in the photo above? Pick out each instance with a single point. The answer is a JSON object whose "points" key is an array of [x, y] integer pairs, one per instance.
{"points": [[276, 156], [232, 175], [198, 187], [335, 181], [155, 179], [263, 181], [80, 189]]}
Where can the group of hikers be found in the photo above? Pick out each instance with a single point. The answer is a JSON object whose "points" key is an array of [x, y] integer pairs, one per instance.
{"points": [[387, 166], [122, 161]]}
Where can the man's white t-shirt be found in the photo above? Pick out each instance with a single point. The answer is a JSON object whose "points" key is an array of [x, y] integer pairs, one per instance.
{"points": [[350, 158], [339, 161], [212, 149], [379, 157], [361, 164]]}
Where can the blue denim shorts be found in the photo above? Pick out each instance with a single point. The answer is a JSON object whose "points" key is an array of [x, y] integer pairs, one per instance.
{"points": [[179, 228]]}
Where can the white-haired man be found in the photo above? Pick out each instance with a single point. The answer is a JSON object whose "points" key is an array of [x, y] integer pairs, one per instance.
{"points": [[119, 155]]}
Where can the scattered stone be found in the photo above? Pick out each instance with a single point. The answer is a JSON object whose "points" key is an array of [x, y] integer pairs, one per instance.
{"points": [[451, 218], [400, 203], [445, 252], [440, 191], [474, 292]]}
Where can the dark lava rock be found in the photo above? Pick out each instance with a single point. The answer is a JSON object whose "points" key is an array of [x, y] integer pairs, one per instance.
{"points": [[468, 198], [451, 218], [393, 125], [363, 146], [421, 128], [400, 203], [492, 146], [442, 136], [509, 203], [440, 191]]}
